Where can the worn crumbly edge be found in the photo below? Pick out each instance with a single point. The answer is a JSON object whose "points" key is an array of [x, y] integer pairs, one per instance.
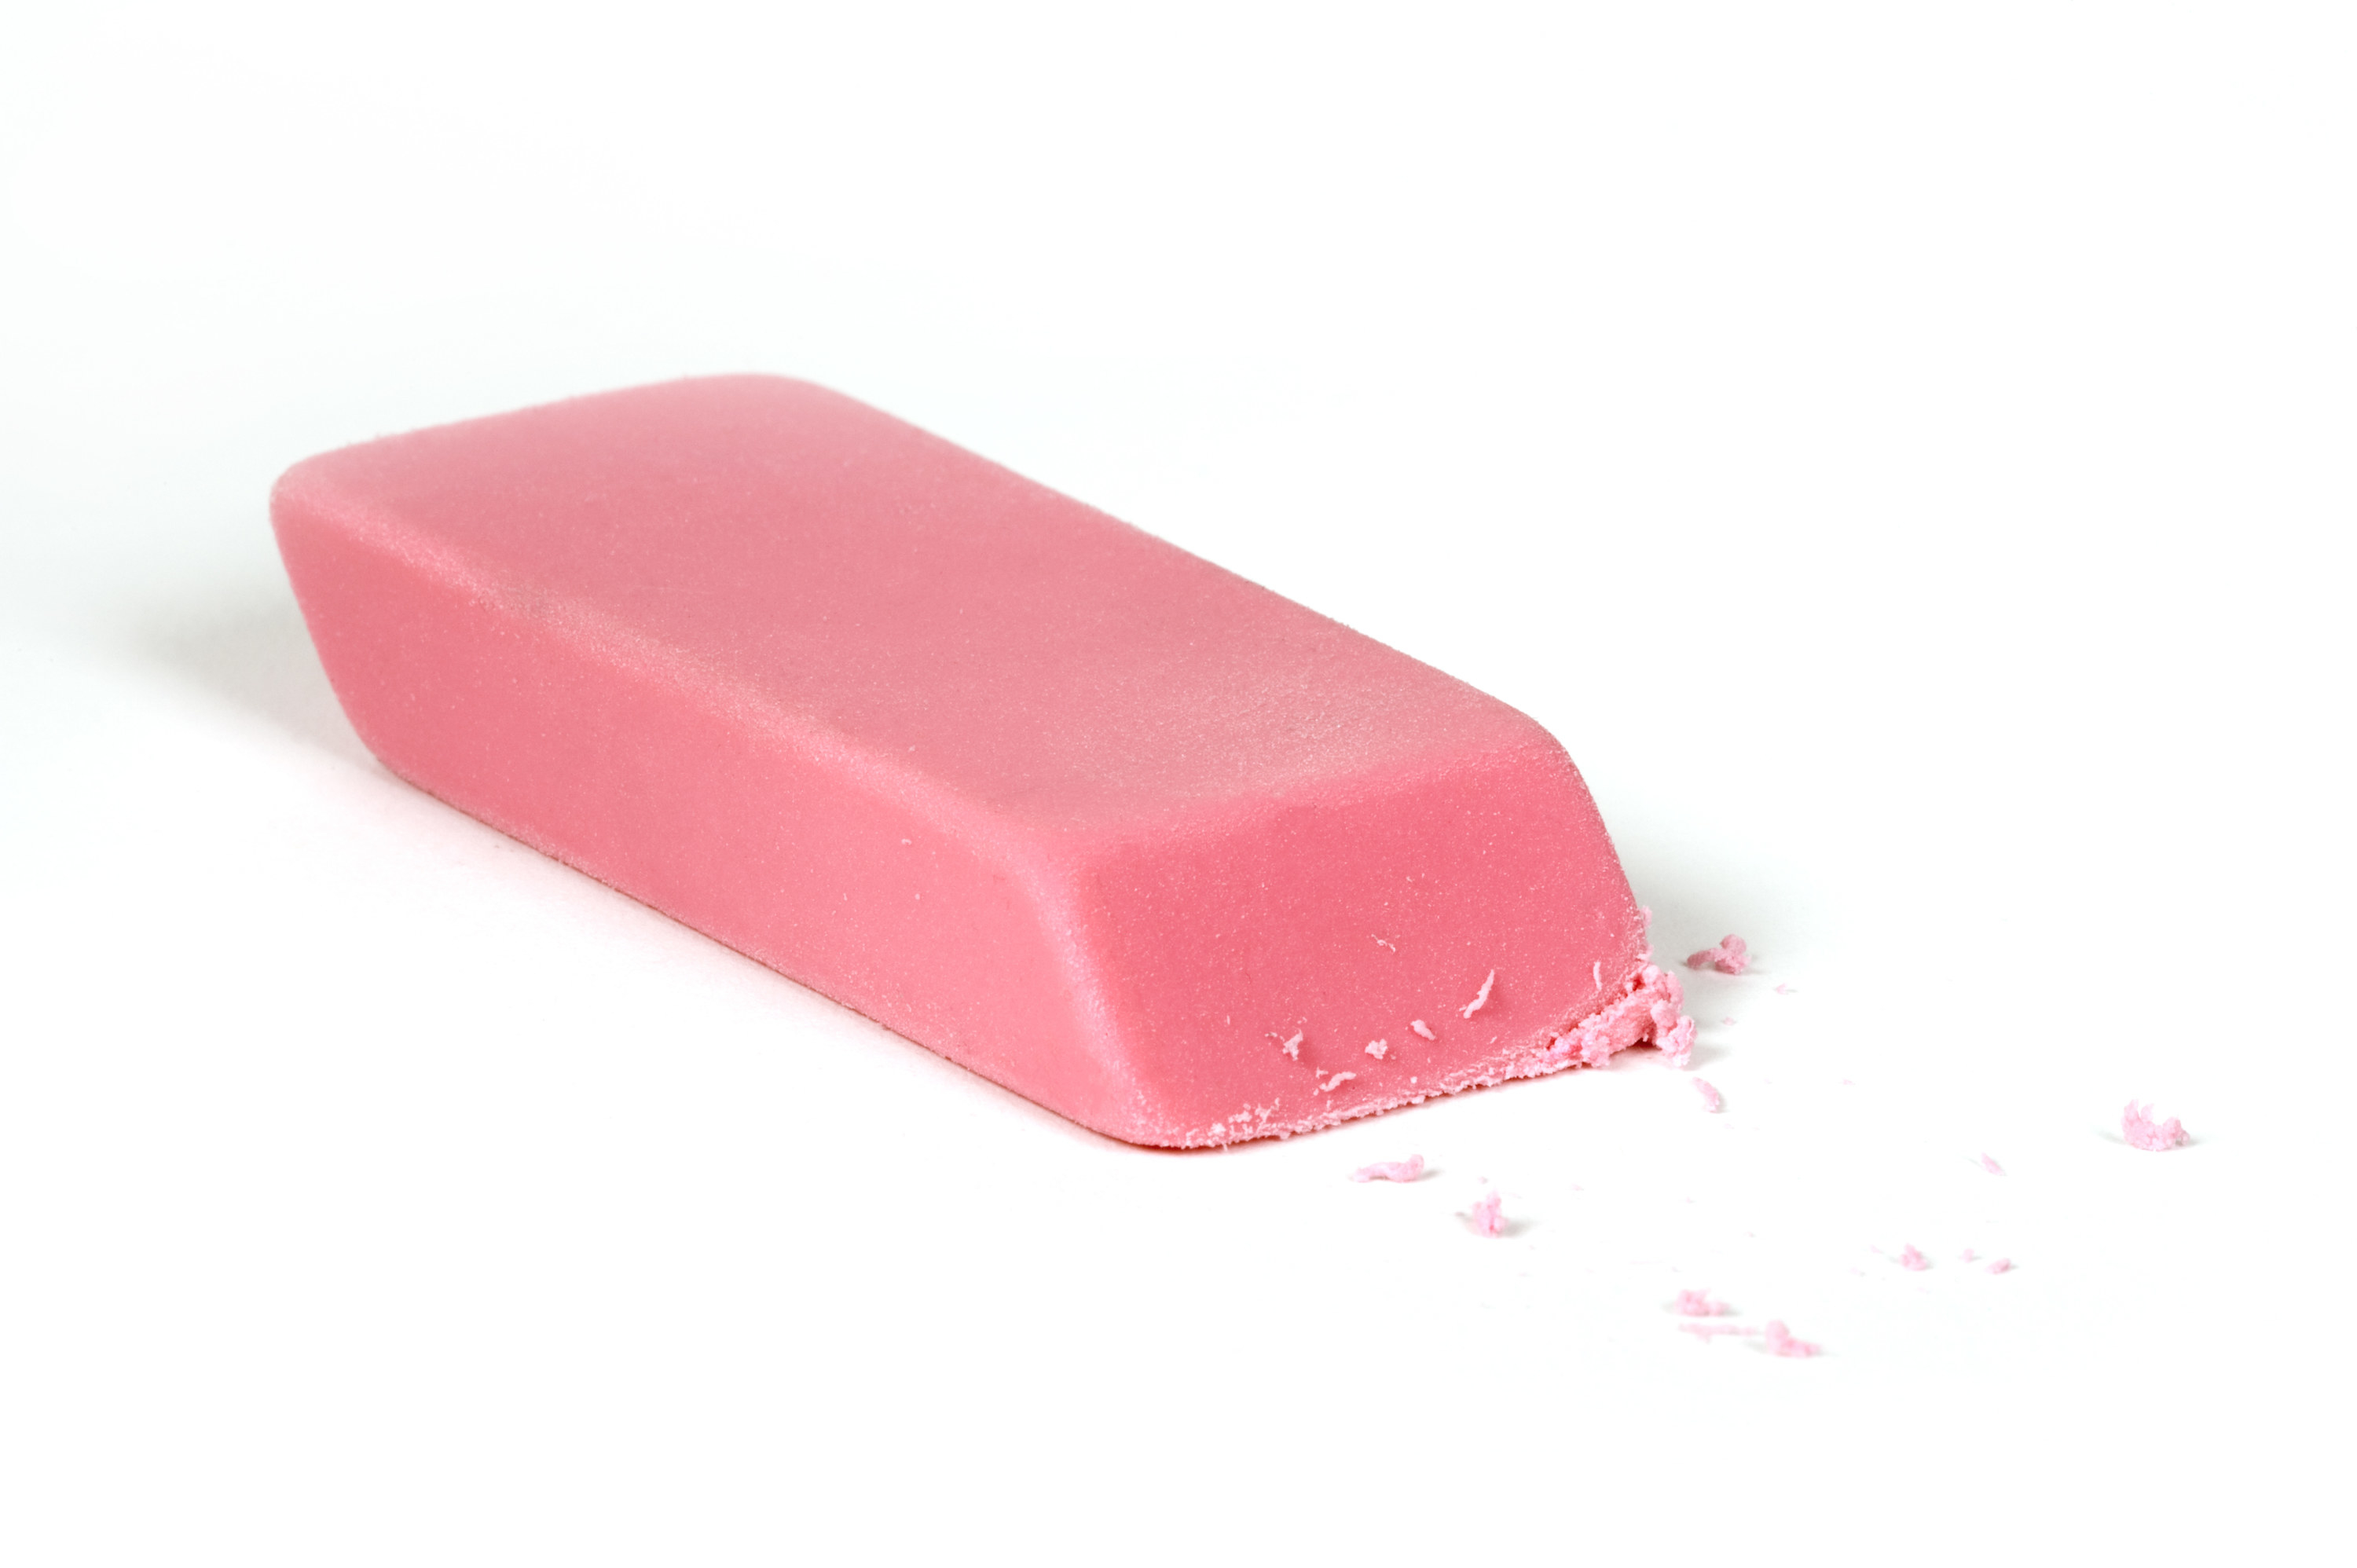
{"points": [[1650, 1010]]}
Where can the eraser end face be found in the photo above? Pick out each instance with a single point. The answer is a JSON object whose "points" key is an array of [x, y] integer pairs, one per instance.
{"points": [[1141, 841]]}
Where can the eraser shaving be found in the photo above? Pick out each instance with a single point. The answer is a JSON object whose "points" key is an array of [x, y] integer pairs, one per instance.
{"points": [[1707, 1332], [1730, 957], [1408, 1169], [2142, 1132], [1487, 1218]]}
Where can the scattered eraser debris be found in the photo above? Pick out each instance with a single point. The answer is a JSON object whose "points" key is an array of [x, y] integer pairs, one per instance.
{"points": [[1991, 1166], [1376, 1048], [2001, 1266], [1292, 1048], [1475, 1005], [1710, 1096], [1780, 1341], [1336, 1081], [1784, 989], [1421, 1027], [1730, 957], [1407, 1169], [1967, 1256], [1909, 1258], [2142, 1132], [1486, 1218], [1697, 1303]]}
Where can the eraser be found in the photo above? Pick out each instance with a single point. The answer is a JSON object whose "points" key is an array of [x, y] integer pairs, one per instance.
{"points": [[1069, 805]]}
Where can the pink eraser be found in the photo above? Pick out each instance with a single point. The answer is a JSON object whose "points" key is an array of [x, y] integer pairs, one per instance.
{"points": [[1072, 807]]}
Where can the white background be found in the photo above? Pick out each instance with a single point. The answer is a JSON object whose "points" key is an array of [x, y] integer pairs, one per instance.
{"points": [[1905, 453]]}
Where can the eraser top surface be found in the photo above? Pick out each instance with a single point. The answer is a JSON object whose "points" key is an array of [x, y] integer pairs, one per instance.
{"points": [[855, 574]]}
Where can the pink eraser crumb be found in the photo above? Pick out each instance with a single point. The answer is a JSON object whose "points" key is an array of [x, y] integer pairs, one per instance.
{"points": [[1376, 1048], [1710, 1096], [1707, 1332], [1486, 1219], [1292, 1048], [1475, 1005], [1336, 1081], [1421, 1027], [1967, 1256], [1780, 1341], [1407, 1169], [1909, 1258], [1991, 1166], [1729, 957], [1784, 989], [2001, 1266], [2142, 1132], [1697, 1303]]}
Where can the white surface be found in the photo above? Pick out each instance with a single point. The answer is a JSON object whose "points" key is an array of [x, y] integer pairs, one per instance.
{"points": [[1906, 457]]}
